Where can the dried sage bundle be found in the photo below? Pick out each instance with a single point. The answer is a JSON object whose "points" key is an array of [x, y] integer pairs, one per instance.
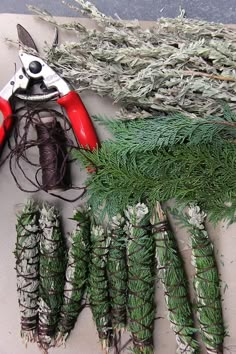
{"points": [[27, 269], [98, 285], [177, 65], [117, 272], [171, 272], [206, 283], [52, 274], [76, 275], [141, 278]]}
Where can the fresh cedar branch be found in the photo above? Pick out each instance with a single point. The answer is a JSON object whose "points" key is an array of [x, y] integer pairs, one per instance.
{"points": [[127, 172], [172, 274], [156, 133], [141, 278], [27, 269], [177, 65], [206, 282], [98, 285], [76, 275], [52, 273], [117, 272]]}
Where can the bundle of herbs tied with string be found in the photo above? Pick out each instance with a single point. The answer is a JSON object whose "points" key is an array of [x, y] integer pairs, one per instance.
{"points": [[176, 65]]}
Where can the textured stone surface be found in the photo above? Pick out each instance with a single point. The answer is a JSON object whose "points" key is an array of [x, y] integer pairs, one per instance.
{"points": [[212, 10]]}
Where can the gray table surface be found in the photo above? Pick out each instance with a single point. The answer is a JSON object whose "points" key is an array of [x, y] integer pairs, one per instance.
{"points": [[212, 10]]}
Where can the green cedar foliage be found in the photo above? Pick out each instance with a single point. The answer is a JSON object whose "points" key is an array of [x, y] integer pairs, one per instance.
{"points": [[195, 164]]}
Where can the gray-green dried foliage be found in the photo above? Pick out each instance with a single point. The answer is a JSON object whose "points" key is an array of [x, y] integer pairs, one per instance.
{"points": [[173, 277], [141, 278], [190, 162], [117, 272], [98, 284], [27, 269], [52, 275], [206, 282], [176, 65], [76, 275]]}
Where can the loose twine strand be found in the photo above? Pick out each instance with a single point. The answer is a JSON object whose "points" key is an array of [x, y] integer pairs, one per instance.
{"points": [[51, 170]]}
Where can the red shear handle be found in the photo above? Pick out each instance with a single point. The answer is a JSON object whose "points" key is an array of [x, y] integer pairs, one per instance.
{"points": [[80, 120], [6, 110]]}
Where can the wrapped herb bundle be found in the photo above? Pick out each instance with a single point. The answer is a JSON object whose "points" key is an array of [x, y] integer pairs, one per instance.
{"points": [[27, 269], [52, 272], [206, 283], [117, 272], [141, 278], [76, 275], [98, 285], [177, 65], [172, 274]]}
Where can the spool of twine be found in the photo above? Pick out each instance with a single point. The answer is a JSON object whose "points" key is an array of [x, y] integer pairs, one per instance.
{"points": [[53, 157]]}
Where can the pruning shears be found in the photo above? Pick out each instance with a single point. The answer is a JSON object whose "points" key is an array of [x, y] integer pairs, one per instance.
{"points": [[34, 69]]}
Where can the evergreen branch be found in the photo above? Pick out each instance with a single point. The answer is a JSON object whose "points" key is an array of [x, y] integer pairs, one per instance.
{"points": [[172, 274], [117, 272], [52, 269], [27, 269], [98, 285], [159, 132], [203, 173], [141, 279], [76, 275], [206, 283]]}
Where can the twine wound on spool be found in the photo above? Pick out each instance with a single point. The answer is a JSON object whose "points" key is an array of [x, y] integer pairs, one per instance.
{"points": [[53, 157]]}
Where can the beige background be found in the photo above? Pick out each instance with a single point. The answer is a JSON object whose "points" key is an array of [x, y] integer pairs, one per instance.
{"points": [[83, 339]]}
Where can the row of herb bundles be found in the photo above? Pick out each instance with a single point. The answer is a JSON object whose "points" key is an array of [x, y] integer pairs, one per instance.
{"points": [[117, 268]]}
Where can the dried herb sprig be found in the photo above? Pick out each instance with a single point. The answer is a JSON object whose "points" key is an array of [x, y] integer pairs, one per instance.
{"points": [[27, 269], [76, 275], [98, 285], [52, 274], [172, 274], [206, 282], [141, 279], [117, 272], [177, 65]]}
